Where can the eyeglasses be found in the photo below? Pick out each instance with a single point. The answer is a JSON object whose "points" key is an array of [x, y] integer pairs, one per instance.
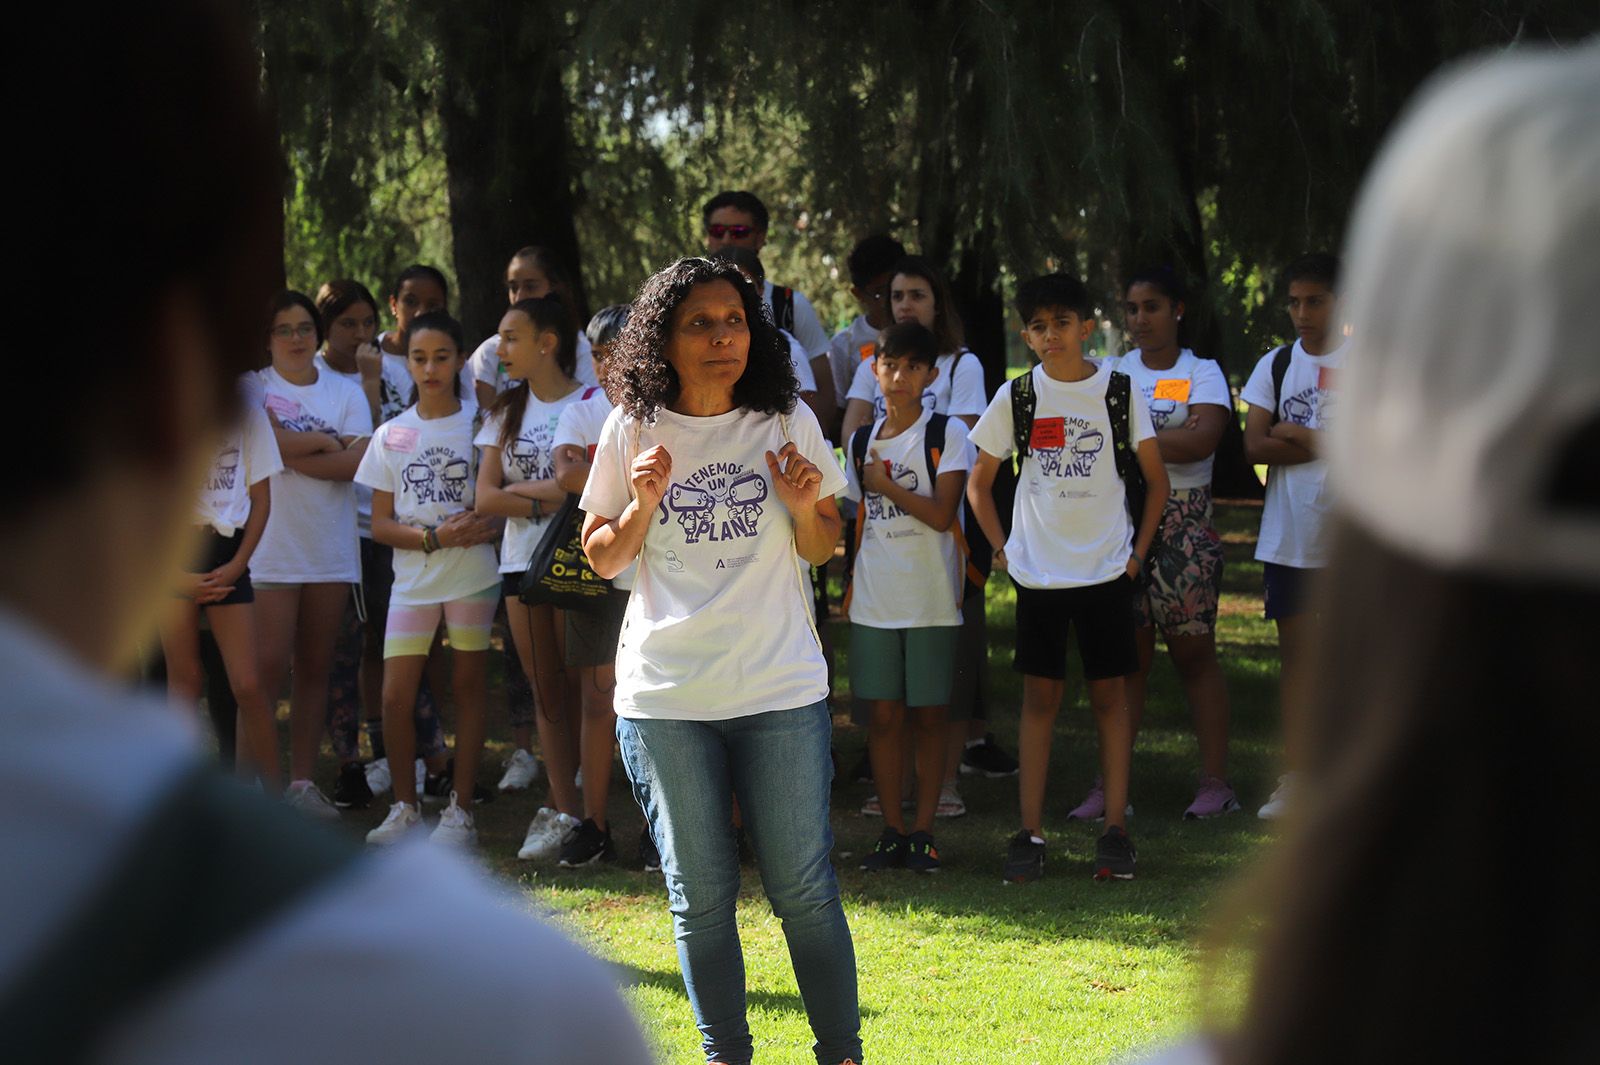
{"points": [[289, 332], [718, 231]]}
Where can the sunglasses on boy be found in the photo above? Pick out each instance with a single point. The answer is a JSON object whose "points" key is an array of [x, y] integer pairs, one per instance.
{"points": [[718, 231]]}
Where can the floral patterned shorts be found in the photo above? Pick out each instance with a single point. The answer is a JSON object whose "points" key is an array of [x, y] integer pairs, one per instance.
{"points": [[1185, 572]]}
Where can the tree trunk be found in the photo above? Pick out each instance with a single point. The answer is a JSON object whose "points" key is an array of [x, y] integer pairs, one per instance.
{"points": [[504, 112]]}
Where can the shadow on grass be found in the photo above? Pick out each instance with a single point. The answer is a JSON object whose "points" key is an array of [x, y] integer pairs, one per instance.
{"points": [[672, 982]]}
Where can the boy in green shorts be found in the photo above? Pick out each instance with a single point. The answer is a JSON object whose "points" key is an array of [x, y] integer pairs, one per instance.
{"points": [[908, 470]]}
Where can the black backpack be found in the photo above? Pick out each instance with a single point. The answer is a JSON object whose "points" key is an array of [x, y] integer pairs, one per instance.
{"points": [[1119, 410], [975, 563], [783, 307], [1280, 370]]}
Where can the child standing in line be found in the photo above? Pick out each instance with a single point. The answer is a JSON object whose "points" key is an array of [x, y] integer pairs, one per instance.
{"points": [[517, 481], [1074, 553], [1289, 394], [419, 467], [592, 635], [908, 471], [232, 513], [418, 290], [309, 554]]}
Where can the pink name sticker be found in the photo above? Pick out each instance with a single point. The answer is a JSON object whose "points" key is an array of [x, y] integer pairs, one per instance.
{"points": [[400, 438], [282, 406]]}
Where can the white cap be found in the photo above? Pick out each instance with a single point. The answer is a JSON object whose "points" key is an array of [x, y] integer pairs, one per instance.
{"points": [[1473, 286]]}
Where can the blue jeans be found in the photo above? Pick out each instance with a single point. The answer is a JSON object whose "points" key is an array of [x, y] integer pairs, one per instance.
{"points": [[685, 774]]}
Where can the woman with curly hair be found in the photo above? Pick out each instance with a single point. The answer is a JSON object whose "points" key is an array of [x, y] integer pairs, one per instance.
{"points": [[703, 473]]}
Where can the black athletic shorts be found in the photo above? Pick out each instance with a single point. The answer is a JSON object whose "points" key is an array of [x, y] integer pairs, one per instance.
{"points": [[216, 550], [1102, 614]]}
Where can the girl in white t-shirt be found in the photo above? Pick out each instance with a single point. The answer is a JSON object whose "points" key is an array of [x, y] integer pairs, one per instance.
{"points": [[231, 514], [705, 473], [308, 556], [591, 635], [533, 273], [1190, 405], [419, 467], [517, 481], [418, 290]]}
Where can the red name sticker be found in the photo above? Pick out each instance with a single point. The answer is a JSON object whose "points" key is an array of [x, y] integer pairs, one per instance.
{"points": [[282, 406], [1325, 377], [1048, 433], [401, 439], [591, 452]]}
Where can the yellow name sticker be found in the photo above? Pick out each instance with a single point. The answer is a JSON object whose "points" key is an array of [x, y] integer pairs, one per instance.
{"points": [[1175, 389]]}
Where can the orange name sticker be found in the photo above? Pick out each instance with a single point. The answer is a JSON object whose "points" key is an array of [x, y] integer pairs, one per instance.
{"points": [[1325, 376], [1175, 389], [591, 452], [868, 350], [1048, 433]]}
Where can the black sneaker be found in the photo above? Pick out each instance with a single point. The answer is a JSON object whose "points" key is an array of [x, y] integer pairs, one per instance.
{"points": [[890, 853], [862, 773], [436, 787], [588, 845], [649, 857], [1114, 856], [350, 791], [986, 758], [1024, 858], [921, 855]]}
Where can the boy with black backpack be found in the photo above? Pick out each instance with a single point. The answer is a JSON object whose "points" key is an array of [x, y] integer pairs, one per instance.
{"points": [[1090, 491], [908, 470], [1289, 396]]}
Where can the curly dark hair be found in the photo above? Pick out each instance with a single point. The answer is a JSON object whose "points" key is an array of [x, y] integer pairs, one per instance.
{"points": [[643, 379]]}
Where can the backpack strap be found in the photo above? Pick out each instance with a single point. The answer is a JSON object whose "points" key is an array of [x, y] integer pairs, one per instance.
{"points": [[933, 444], [208, 866], [1280, 370], [783, 307], [1119, 408], [859, 442], [590, 391], [1023, 403]]}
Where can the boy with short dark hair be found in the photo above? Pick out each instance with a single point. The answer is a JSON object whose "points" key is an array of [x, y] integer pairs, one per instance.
{"points": [[908, 470], [1289, 394], [1086, 449], [871, 266]]}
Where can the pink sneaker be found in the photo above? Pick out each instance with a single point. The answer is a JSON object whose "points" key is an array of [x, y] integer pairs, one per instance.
{"points": [[1093, 806], [1212, 799]]}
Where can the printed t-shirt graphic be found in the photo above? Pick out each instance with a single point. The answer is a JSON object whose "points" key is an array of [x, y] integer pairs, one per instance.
{"points": [[1294, 515], [907, 575], [429, 466], [719, 623], [248, 456], [1170, 393], [528, 456], [1070, 525], [311, 529]]}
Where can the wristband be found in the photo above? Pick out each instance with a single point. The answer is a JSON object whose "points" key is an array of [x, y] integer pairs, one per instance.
{"points": [[1138, 564], [538, 509], [430, 540]]}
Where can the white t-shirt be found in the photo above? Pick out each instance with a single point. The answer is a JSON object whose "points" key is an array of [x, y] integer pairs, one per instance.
{"points": [[430, 466], [248, 456], [851, 346], [324, 978], [485, 364], [719, 623], [802, 364], [311, 531], [1188, 382], [1069, 526], [1294, 516], [580, 426], [363, 493], [907, 575], [957, 391], [530, 456], [807, 326]]}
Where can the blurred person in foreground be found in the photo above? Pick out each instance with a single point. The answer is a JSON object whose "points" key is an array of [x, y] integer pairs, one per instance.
{"points": [[1426, 904], [153, 912]]}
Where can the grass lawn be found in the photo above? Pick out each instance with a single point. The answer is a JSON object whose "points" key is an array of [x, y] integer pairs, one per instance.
{"points": [[962, 967]]}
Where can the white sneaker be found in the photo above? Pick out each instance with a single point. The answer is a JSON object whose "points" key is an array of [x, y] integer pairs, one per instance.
{"points": [[304, 796], [522, 769], [547, 833], [455, 828], [404, 818], [378, 776], [1282, 797]]}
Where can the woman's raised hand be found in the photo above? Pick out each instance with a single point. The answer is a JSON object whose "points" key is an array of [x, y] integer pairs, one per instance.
{"points": [[795, 478], [651, 470]]}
